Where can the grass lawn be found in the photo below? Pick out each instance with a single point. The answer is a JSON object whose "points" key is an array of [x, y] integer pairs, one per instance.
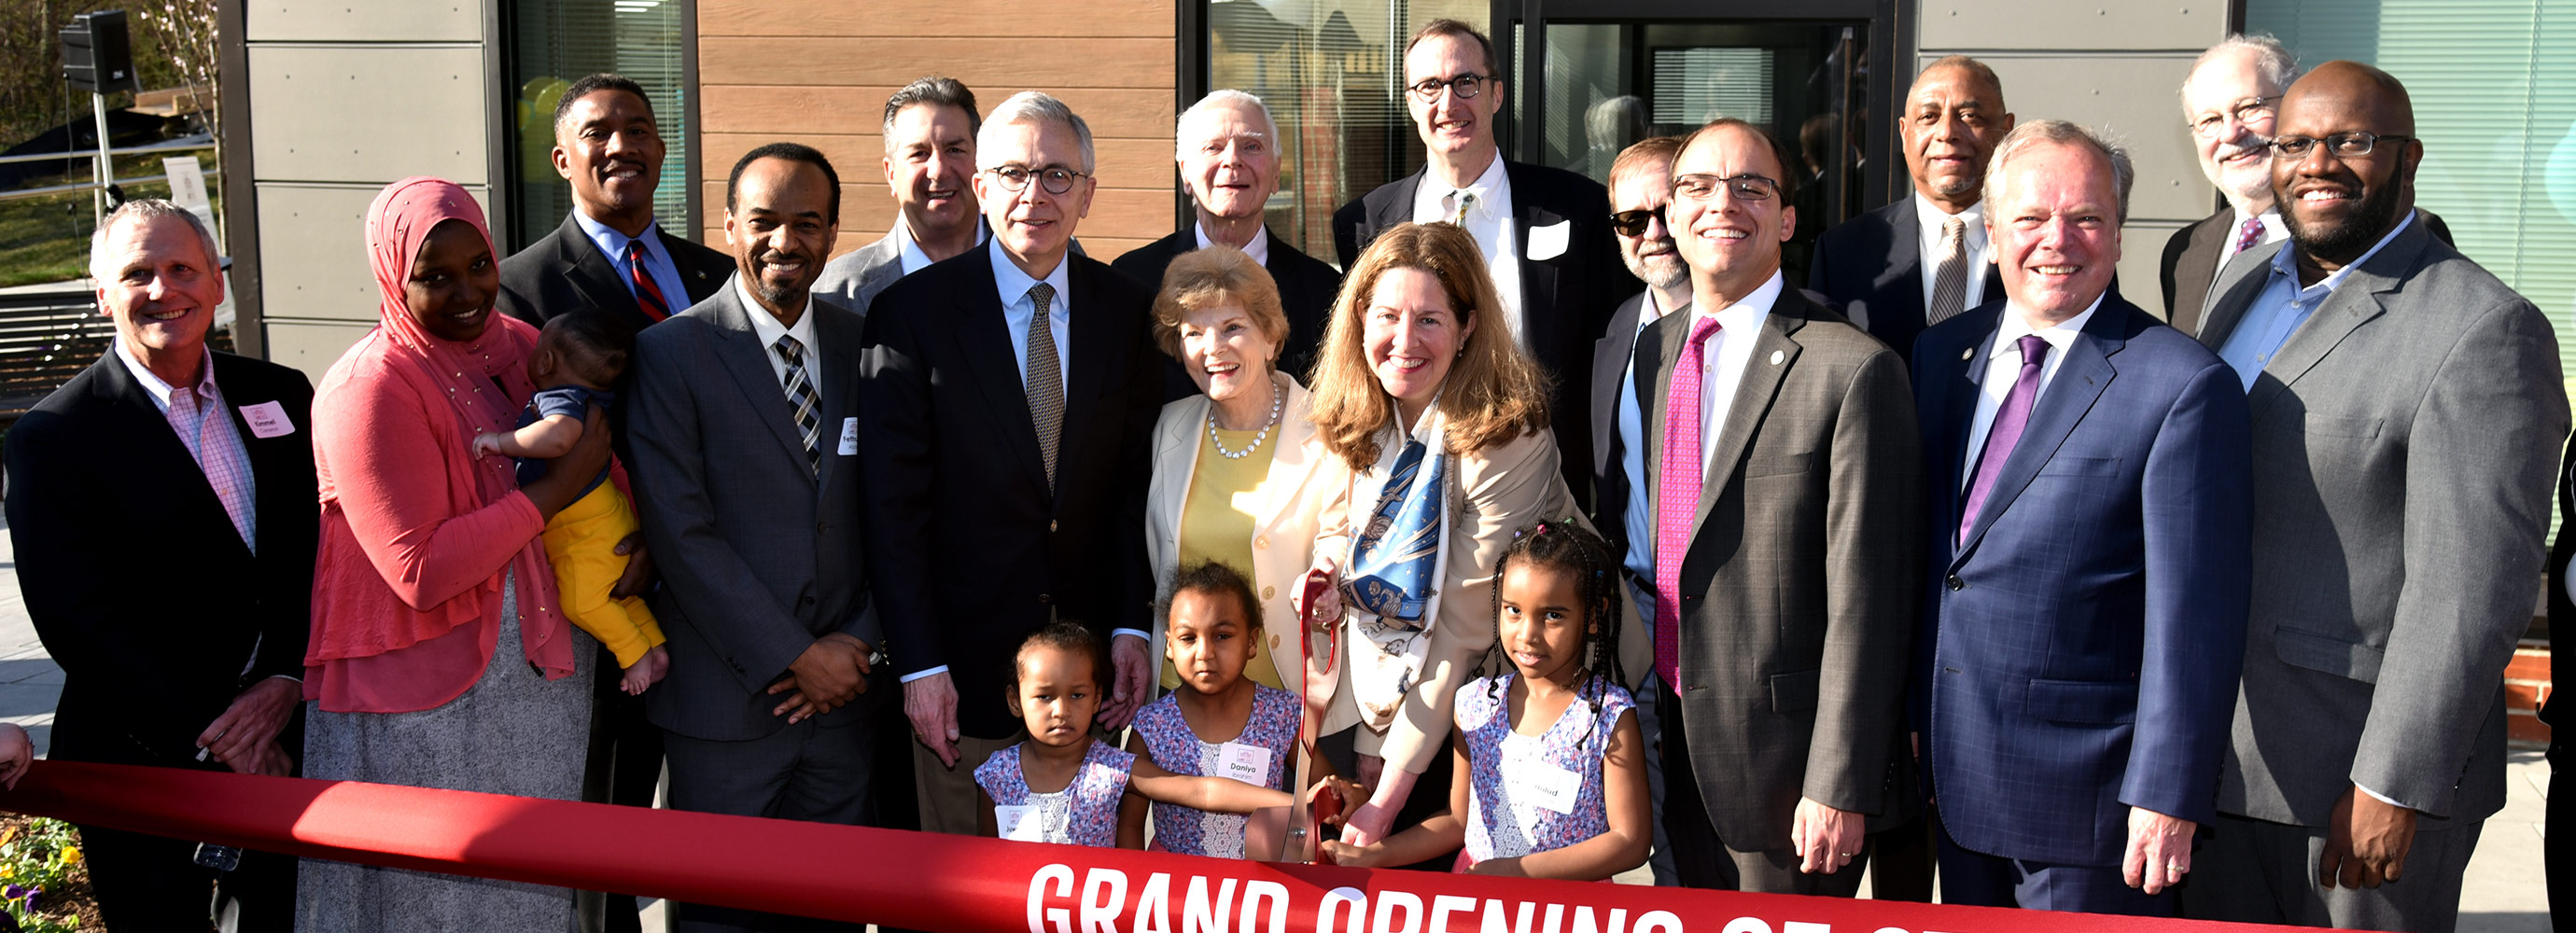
{"points": [[46, 239]]}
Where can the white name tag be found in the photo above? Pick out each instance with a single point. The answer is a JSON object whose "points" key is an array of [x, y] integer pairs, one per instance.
{"points": [[1018, 822], [267, 419], [1247, 763], [849, 437], [1548, 242], [1538, 784]]}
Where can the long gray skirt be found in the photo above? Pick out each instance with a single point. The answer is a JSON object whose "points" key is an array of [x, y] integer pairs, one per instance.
{"points": [[513, 732]]}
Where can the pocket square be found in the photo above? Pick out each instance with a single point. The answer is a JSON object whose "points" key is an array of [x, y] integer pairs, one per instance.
{"points": [[1548, 242]]}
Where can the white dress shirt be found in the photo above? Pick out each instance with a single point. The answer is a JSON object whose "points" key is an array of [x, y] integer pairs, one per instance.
{"points": [[1258, 250], [907, 252], [1979, 251], [1489, 220], [1020, 309], [1639, 516], [2283, 306], [765, 326], [657, 261], [1729, 351], [2003, 368]]}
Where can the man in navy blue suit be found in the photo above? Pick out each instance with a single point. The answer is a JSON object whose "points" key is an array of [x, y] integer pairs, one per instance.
{"points": [[2088, 496]]}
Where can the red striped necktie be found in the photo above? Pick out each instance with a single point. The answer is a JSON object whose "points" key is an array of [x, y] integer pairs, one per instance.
{"points": [[648, 295]]}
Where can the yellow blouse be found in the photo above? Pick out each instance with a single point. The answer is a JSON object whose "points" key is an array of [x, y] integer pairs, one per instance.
{"points": [[1217, 524]]}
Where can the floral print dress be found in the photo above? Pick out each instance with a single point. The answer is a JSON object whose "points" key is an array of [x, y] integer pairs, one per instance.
{"points": [[1084, 813], [1534, 793], [1269, 738]]}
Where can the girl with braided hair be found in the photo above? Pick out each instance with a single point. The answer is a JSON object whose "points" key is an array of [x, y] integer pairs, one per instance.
{"points": [[1550, 762]]}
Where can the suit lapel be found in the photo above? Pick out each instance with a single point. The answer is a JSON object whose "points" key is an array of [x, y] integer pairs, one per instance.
{"points": [[169, 456], [271, 458], [1092, 352], [700, 281], [592, 275], [1958, 412], [1609, 362], [1538, 278], [1904, 275], [984, 339], [1398, 207], [1775, 352], [2353, 304], [2229, 298], [2197, 269], [748, 361], [839, 332], [2080, 381]]}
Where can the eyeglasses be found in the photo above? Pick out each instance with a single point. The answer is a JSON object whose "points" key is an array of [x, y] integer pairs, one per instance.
{"points": [[1057, 180], [2342, 145], [1703, 187], [1466, 86], [2246, 112], [1633, 223]]}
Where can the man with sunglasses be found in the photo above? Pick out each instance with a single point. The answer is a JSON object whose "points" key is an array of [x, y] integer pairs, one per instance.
{"points": [[1922, 259], [1783, 461], [2407, 415], [1010, 395], [1542, 229]]}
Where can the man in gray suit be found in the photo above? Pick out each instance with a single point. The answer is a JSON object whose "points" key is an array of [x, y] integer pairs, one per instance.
{"points": [[746, 473], [2407, 411], [1783, 458], [930, 128]]}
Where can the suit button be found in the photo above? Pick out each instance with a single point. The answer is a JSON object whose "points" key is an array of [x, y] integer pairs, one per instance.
{"points": [[1261, 543], [820, 527], [1045, 599], [1050, 526], [1274, 642], [1267, 591], [809, 600], [1956, 584]]}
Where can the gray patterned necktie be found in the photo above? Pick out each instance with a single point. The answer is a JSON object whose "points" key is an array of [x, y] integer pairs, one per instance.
{"points": [[1046, 381], [800, 393], [1950, 280]]}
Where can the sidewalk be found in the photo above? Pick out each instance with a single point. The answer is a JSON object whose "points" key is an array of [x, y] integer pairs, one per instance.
{"points": [[2504, 892]]}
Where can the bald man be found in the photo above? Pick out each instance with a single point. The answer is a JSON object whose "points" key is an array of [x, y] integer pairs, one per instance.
{"points": [[2407, 414], [1920, 260]]}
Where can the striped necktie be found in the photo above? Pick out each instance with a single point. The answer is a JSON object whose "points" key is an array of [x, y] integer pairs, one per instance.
{"points": [[800, 393], [1950, 279], [648, 295]]}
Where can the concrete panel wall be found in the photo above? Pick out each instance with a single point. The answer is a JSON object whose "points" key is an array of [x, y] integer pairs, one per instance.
{"points": [[345, 97], [2108, 64]]}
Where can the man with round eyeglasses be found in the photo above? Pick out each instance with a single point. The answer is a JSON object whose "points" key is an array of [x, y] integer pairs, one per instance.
{"points": [[2228, 101]]}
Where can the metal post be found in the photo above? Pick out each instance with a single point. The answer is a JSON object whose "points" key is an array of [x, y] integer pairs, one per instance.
{"points": [[106, 171]]}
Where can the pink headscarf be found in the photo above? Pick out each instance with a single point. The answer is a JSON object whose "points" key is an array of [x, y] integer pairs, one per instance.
{"points": [[367, 620]]}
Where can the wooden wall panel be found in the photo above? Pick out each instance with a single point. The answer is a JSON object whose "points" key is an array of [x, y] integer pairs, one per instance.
{"points": [[875, 60], [1017, 18]]}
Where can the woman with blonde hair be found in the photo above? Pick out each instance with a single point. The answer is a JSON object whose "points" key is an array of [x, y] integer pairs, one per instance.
{"points": [[1441, 422]]}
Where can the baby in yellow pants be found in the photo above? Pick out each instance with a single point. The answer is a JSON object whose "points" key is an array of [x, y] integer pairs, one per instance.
{"points": [[579, 355]]}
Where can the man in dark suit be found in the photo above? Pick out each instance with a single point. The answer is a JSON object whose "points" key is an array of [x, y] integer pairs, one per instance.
{"points": [[929, 133], [1922, 259], [2408, 413], [2084, 622], [190, 657], [1641, 183], [1784, 459], [1010, 396], [747, 479], [1228, 150], [1544, 231], [610, 254]]}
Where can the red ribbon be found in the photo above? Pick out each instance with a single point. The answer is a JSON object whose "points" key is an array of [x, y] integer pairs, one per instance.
{"points": [[926, 881]]}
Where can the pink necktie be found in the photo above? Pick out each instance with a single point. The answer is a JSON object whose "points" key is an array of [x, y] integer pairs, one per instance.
{"points": [[1677, 498], [2006, 431], [2250, 235]]}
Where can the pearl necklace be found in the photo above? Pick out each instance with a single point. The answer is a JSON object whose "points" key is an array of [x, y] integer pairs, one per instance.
{"points": [[1277, 396]]}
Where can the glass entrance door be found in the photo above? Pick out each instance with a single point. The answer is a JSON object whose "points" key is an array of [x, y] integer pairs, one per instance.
{"points": [[1593, 77]]}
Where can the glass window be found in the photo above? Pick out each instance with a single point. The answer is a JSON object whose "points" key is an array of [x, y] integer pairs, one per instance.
{"points": [[555, 43], [1330, 71], [2490, 84]]}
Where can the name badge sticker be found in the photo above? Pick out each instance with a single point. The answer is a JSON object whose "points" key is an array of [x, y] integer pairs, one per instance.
{"points": [[1549, 242], [1247, 763], [1015, 822], [267, 419], [1546, 786], [849, 437]]}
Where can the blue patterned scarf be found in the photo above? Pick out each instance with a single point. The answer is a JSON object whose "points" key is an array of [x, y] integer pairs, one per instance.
{"points": [[1394, 557]]}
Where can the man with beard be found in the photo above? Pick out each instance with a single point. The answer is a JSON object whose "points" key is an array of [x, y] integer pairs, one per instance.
{"points": [[1920, 260], [929, 136], [2407, 411], [746, 475], [1641, 183], [1228, 151]]}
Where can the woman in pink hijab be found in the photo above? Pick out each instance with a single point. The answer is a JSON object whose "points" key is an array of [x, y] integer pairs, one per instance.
{"points": [[439, 655]]}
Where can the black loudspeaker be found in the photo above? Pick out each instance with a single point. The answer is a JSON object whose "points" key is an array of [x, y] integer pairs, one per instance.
{"points": [[97, 54]]}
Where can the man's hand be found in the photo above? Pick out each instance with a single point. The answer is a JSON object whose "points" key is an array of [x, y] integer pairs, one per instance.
{"points": [[832, 672], [2366, 841], [639, 568], [2159, 851], [269, 759], [1826, 838], [253, 720], [931, 704], [1133, 679]]}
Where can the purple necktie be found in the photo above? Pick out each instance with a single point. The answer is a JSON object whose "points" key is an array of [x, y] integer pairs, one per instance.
{"points": [[2251, 235], [2006, 431]]}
